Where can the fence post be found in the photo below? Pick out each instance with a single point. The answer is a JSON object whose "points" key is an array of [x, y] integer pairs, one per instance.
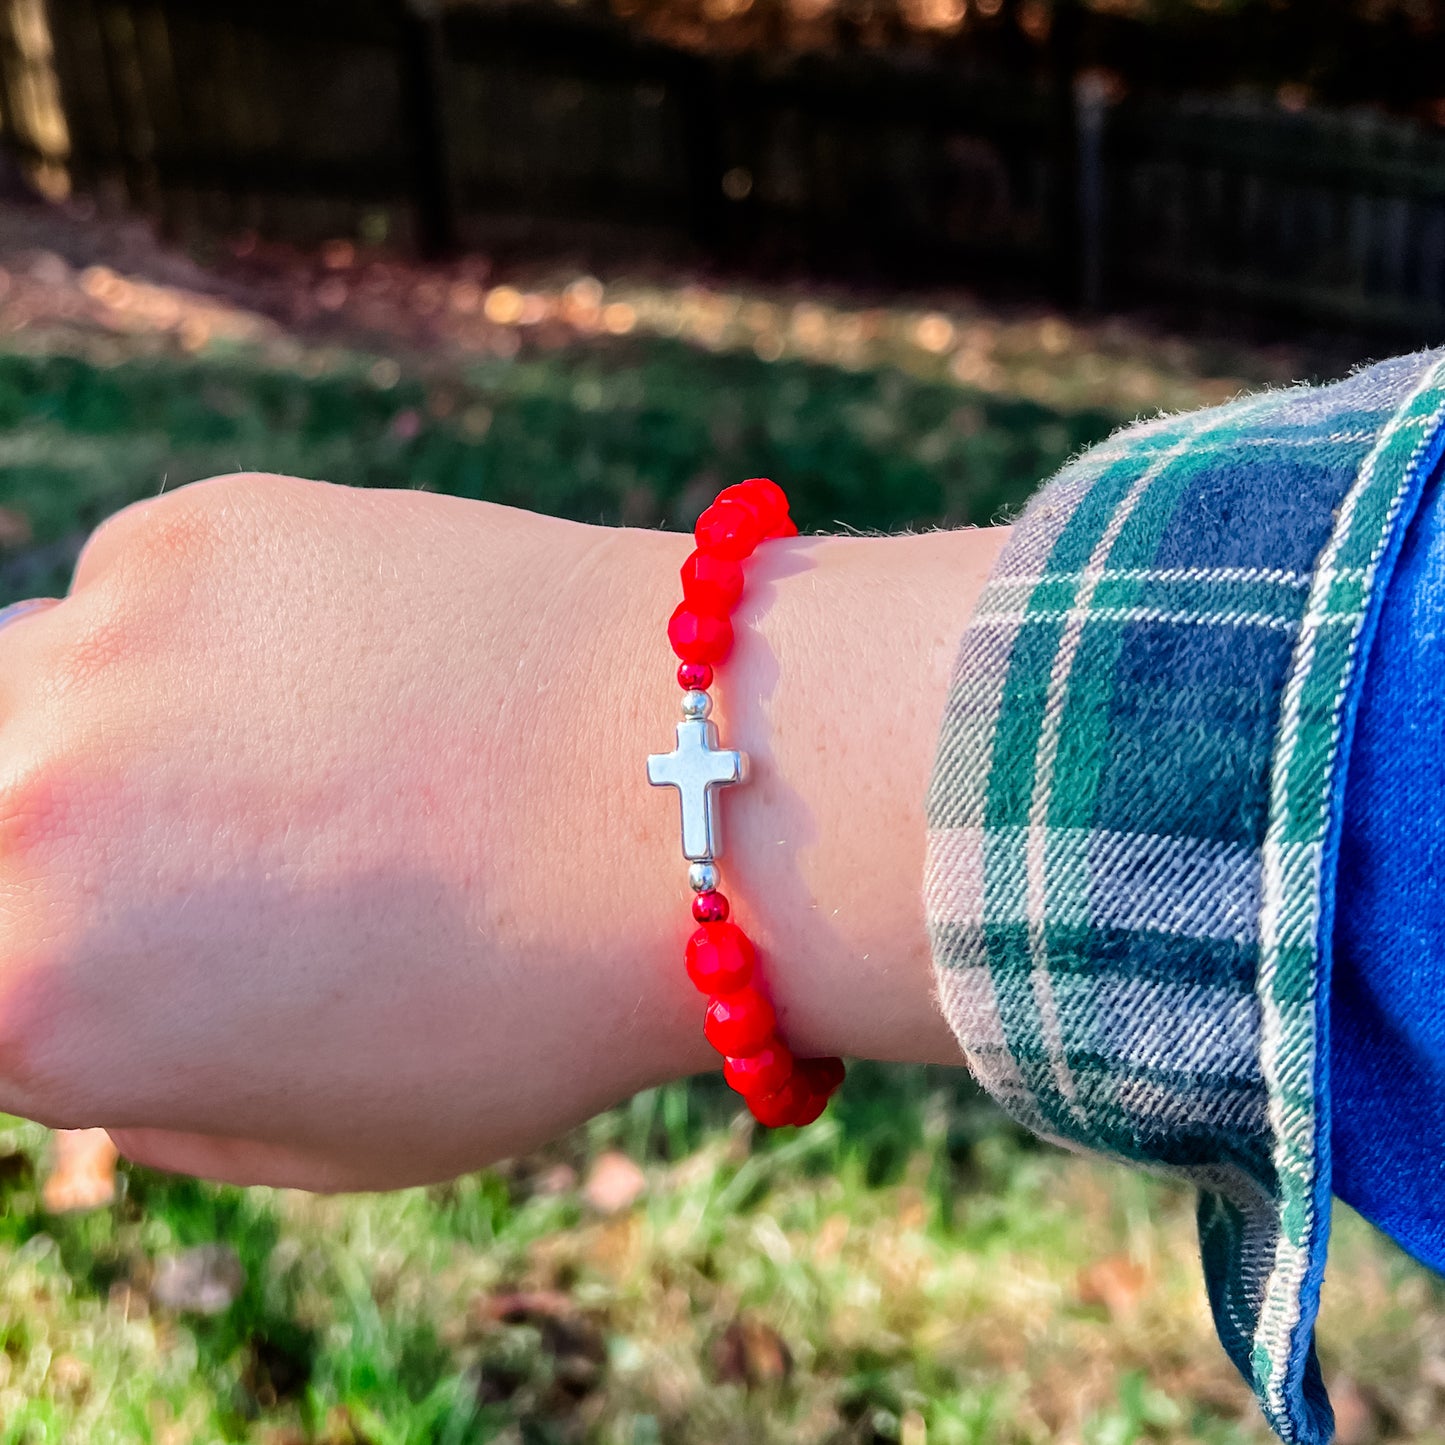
{"points": [[422, 61], [1091, 114], [1063, 53]]}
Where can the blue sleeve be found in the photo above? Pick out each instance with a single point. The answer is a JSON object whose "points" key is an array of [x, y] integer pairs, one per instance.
{"points": [[1387, 1050]]}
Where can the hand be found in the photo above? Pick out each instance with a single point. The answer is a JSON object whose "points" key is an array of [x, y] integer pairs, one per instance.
{"points": [[327, 857]]}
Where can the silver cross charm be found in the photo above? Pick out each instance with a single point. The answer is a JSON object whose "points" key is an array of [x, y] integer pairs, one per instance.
{"points": [[697, 767]]}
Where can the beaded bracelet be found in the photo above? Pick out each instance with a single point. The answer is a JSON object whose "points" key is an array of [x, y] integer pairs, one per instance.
{"points": [[721, 961]]}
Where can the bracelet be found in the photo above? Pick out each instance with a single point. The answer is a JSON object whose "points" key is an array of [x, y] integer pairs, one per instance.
{"points": [[721, 961]]}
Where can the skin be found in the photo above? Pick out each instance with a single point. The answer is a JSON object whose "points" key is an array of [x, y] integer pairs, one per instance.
{"points": [[327, 855]]}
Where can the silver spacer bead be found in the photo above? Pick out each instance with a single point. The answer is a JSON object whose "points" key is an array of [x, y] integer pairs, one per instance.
{"points": [[702, 877], [696, 704]]}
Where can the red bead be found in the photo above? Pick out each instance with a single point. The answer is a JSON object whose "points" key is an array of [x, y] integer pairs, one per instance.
{"points": [[760, 1073], [823, 1075], [709, 907], [785, 528], [778, 1108], [694, 676], [728, 529], [741, 1023], [766, 497], [699, 636], [720, 960], [711, 583], [809, 1109]]}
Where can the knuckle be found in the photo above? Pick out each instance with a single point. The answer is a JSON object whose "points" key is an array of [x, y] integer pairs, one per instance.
{"points": [[33, 803], [175, 531], [99, 638], [129, 545]]}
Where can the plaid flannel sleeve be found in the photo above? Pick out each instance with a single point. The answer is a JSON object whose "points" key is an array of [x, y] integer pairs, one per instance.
{"points": [[1135, 808]]}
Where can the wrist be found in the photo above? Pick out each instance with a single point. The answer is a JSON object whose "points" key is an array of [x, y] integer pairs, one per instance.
{"points": [[835, 688]]}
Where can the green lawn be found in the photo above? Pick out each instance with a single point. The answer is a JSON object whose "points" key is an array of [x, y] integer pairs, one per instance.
{"points": [[911, 1269], [639, 431]]}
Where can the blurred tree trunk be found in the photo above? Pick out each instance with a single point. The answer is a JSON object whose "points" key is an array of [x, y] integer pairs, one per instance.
{"points": [[422, 62]]}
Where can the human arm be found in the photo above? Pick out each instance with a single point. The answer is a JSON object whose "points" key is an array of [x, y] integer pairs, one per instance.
{"points": [[327, 856]]}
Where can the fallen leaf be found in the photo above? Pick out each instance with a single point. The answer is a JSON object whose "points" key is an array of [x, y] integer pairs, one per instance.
{"points": [[203, 1280], [82, 1171], [69, 1377], [1116, 1282], [751, 1352], [1355, 1421], [15, 530], [614, 1183], [559, 1179]]}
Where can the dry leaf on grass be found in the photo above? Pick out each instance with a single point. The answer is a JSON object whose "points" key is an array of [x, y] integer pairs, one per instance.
{"points": [[1355, 1418], [1116, 1282], [614, 1183], [559, 1179], [751, 1352], [82, 1171]]}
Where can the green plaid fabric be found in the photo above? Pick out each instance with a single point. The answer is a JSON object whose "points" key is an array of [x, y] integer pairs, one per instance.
{"points": [[1134, 812]]}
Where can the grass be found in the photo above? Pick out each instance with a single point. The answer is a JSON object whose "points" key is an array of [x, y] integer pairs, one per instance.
{"points": [[638, 431], [913, 1269], [924, 1280]]}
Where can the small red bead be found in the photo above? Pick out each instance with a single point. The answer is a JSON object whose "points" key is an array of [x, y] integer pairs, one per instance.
{"points": [[694, 676], [711, 583], [739, 1024], [699, 636], [710, 907], [728, 529], [823, 1075], [720, 960], [778, 1108], [761, 1073]]}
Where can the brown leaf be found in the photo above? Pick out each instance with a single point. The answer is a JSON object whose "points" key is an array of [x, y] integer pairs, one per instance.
{"points": [[751, 1352], [15, 530], [82, 1171], [69, 1377], [1355, 1419], [1116, 1282], [614, 1183]]}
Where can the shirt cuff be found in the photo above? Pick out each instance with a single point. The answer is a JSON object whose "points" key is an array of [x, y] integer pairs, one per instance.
{"points": [[1134, 817], [1387, 1023]]}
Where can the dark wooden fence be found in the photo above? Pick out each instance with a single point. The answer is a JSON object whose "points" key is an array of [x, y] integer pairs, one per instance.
{"points": [[517, 127]]}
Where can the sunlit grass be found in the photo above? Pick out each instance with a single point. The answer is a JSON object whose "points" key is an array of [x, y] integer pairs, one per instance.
{"points": [[817, 1286]]}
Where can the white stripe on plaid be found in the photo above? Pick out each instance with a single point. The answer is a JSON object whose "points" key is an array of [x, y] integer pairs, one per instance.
{"points": [[1275, 575], [965, 763], [1148, 1024], [1117, 451], [1190, 887], [1152, 614], [1047, 751], [1291, 892]]}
